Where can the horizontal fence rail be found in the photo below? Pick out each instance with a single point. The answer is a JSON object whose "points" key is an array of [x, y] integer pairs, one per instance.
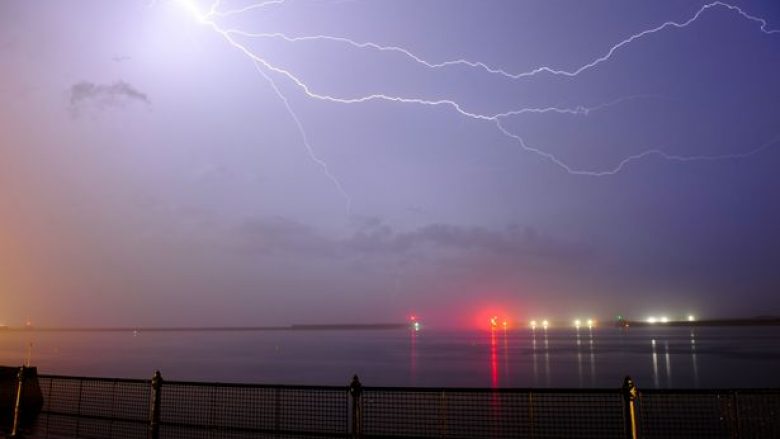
{"points": [[107, 408]]}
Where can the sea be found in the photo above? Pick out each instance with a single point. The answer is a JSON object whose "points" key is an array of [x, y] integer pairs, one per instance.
{"points": [[655, 357]]}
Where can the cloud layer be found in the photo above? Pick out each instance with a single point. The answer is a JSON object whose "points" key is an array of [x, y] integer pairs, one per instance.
{"points": [[374, 238], [117, 94]]}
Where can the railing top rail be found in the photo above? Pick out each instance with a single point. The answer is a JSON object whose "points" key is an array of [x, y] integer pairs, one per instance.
{"points": [[103, 379], [257, 385], [537, 390], [492, 390], [746, 390]]}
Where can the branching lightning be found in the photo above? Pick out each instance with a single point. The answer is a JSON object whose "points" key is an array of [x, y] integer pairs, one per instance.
{"points": [[632, 158], [262, 5], [305, 138], [498, 71], [263, 66]]}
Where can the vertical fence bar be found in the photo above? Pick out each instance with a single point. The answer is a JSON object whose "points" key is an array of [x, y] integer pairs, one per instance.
{"points": [[443, 424], [277, 409], [355, 391], [737, 432], [531, 420], [113, 409], [78, 408], [154, 406], [20, 377], [48, 401], [630, 393]]}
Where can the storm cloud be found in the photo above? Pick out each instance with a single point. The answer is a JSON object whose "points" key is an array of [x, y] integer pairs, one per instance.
{"points": [[374, 238], [117, 94]]}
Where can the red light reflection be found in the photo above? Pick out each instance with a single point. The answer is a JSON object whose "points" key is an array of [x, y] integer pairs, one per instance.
{"points": [[493, 360]]}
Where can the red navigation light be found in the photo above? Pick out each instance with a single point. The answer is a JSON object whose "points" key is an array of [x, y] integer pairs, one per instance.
{"points": [[413, 317]]}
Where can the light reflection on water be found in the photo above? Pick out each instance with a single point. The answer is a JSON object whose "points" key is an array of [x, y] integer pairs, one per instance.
{"points": [[654, 357], [693, 360], [655, 363], [579, 357], [592, 359], [535, 358], [668, 362], [413, 358], [547, 374]]}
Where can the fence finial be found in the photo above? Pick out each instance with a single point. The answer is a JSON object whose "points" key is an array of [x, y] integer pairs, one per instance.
{"points": [[630, 394], [355, 388], [154, 406]]}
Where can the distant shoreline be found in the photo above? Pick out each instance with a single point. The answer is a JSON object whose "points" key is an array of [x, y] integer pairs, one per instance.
{"points": [[767, 321], [299, 327]]}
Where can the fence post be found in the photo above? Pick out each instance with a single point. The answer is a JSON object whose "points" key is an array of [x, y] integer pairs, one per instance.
{"points": [[154, 406], [630, 393], [355, 390], [20, 377]]}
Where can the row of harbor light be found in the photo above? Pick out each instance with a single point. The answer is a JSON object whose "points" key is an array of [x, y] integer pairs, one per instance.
{"points": [[664, 319], [415, 323], [590, 323], [494, 323]]}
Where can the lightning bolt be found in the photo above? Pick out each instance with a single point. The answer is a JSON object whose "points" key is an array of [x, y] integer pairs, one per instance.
{"points": [[263, 66], [498, 71], [262, 5], [305, 138], [636, 157]]}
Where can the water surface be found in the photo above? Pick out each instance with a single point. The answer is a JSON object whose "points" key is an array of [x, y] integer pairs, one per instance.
{"points": [[655, 357]]}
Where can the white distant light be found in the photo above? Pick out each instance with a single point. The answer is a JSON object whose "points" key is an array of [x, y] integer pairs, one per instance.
{"points": [[691, 318], [545, 324], [591, 323], [577, 324], [651, 320], [533, 324], [664, 319]]}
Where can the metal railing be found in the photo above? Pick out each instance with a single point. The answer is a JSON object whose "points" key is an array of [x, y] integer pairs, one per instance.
{"points": [[107, 408]]}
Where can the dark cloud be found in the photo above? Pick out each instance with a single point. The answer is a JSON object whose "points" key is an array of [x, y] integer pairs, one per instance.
{"points": [[374, 238], [105, 95], [512, 243], [281, 236]]}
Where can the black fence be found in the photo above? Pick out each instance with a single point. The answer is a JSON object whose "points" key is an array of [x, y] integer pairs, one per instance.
{"points": [[81, 407]]}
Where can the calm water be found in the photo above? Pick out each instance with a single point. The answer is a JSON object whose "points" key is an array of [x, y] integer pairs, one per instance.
{"points": [[655, 357]]}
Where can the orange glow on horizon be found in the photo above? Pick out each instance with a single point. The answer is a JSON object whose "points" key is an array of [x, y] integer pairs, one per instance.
{"points": [[492, 316]]}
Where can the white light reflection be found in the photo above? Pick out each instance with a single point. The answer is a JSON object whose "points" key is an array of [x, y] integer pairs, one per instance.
{"points": [[592, 360], [534, 358], [667, 359], [693, 360], [655, 364], [546, 358]]}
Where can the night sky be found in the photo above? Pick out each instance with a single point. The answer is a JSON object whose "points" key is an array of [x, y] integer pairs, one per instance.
{"points": [[160, 164]]}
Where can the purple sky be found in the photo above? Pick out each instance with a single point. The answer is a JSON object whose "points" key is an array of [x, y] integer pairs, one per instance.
{"points": [[151, 174]]}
